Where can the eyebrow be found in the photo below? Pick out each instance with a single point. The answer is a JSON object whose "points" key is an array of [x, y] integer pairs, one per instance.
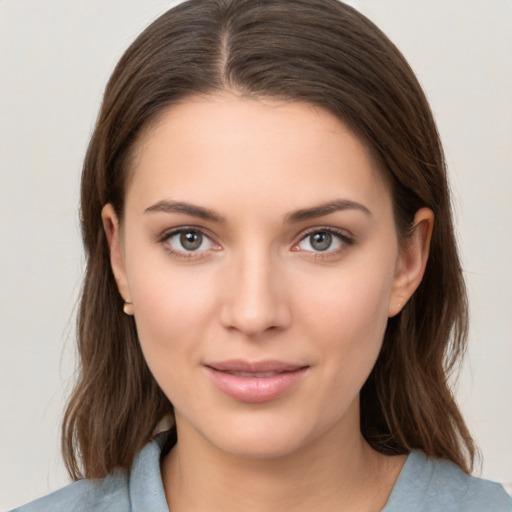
{"points": [[185, 208], [200, 212], [325, 209]]}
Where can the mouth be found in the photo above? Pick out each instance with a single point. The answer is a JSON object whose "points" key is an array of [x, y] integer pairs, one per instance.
{"points": [[255, 382], [259, 375]]}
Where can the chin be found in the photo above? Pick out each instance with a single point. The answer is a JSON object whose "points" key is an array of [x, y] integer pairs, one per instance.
{"points": [[261, 445], [262, 435]]}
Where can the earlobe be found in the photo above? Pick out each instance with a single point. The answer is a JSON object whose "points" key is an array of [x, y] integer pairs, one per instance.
{"points": [[412, 261], [113, 234]]}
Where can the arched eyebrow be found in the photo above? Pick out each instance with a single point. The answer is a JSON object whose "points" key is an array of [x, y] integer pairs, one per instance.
{"points": [[325, 209], [200, 212]]}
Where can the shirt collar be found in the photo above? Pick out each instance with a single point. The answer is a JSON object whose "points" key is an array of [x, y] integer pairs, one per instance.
{"points": [[145, 480]]}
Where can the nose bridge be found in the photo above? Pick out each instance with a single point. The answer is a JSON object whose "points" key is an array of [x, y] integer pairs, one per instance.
{"points": [[255, 300]]}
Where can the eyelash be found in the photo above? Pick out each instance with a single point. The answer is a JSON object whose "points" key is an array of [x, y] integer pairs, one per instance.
{"points": [[340, 235], [183, 255]]}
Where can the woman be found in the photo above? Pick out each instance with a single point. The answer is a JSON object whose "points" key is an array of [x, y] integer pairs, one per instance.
{"points": [[270, 250]]}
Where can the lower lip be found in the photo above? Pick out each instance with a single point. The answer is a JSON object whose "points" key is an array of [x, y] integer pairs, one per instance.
{"points": [[255, 389]]}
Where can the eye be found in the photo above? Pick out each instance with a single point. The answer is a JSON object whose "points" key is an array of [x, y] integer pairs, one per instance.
{"points": [[323, 241], [187, 240]]}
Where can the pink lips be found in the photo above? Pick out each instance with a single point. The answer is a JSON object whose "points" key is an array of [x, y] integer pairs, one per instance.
{"points": [[254, 382]]}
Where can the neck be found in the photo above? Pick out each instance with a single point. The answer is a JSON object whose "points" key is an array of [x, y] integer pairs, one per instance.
{"points": [[334, 473]]}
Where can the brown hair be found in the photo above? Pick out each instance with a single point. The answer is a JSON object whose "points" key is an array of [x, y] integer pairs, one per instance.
{"points": [[317, 51]]}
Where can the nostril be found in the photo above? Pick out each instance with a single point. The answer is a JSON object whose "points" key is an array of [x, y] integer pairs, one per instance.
{"points": [[255, 322], [253, 301]]}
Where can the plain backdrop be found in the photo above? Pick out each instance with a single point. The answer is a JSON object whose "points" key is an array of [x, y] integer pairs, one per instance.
{"points": [[55, 58]]}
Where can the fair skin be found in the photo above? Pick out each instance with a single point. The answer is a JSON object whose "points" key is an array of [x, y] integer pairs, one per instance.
{"points": [[259, 250]]}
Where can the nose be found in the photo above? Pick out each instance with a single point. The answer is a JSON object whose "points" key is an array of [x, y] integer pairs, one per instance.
{"points": [[255, 296]]}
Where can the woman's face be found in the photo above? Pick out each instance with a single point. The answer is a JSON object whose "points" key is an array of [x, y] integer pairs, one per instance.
{"points": [[259, 250]]}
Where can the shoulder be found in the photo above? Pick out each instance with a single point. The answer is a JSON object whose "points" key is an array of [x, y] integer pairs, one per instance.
{"points": [[110, 493], [139, 490], [427, 484]]}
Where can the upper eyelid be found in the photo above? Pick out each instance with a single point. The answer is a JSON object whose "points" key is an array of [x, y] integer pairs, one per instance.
{"points": [[181, 229], [342, 233]]}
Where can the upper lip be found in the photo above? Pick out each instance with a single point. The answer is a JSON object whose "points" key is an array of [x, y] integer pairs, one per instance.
{"points": [[240, 365]]}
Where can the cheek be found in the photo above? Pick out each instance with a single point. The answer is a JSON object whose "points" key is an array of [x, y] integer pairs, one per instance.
{"points": [[349, 320], [172, 313], [352, 301], [171, 305]]}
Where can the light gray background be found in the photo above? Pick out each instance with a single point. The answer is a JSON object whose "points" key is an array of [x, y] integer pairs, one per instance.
{"points": [[55, 58]]}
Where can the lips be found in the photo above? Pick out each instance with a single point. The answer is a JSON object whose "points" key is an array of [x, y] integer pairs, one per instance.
{"points": [[255, 382], [260, 375]]}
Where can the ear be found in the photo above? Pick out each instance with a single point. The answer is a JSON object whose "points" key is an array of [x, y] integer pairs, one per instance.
{"points": [[112, 231], [412, 261]]}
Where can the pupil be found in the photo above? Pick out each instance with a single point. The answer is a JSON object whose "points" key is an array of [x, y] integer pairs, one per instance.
{"points": [[191, 240], [321, 241]]}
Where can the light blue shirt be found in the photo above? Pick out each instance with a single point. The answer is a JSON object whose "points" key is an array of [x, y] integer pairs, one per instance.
{"points": [[424, 485]]}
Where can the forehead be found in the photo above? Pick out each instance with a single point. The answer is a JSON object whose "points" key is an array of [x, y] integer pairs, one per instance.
{"points": [[224, 148]]}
